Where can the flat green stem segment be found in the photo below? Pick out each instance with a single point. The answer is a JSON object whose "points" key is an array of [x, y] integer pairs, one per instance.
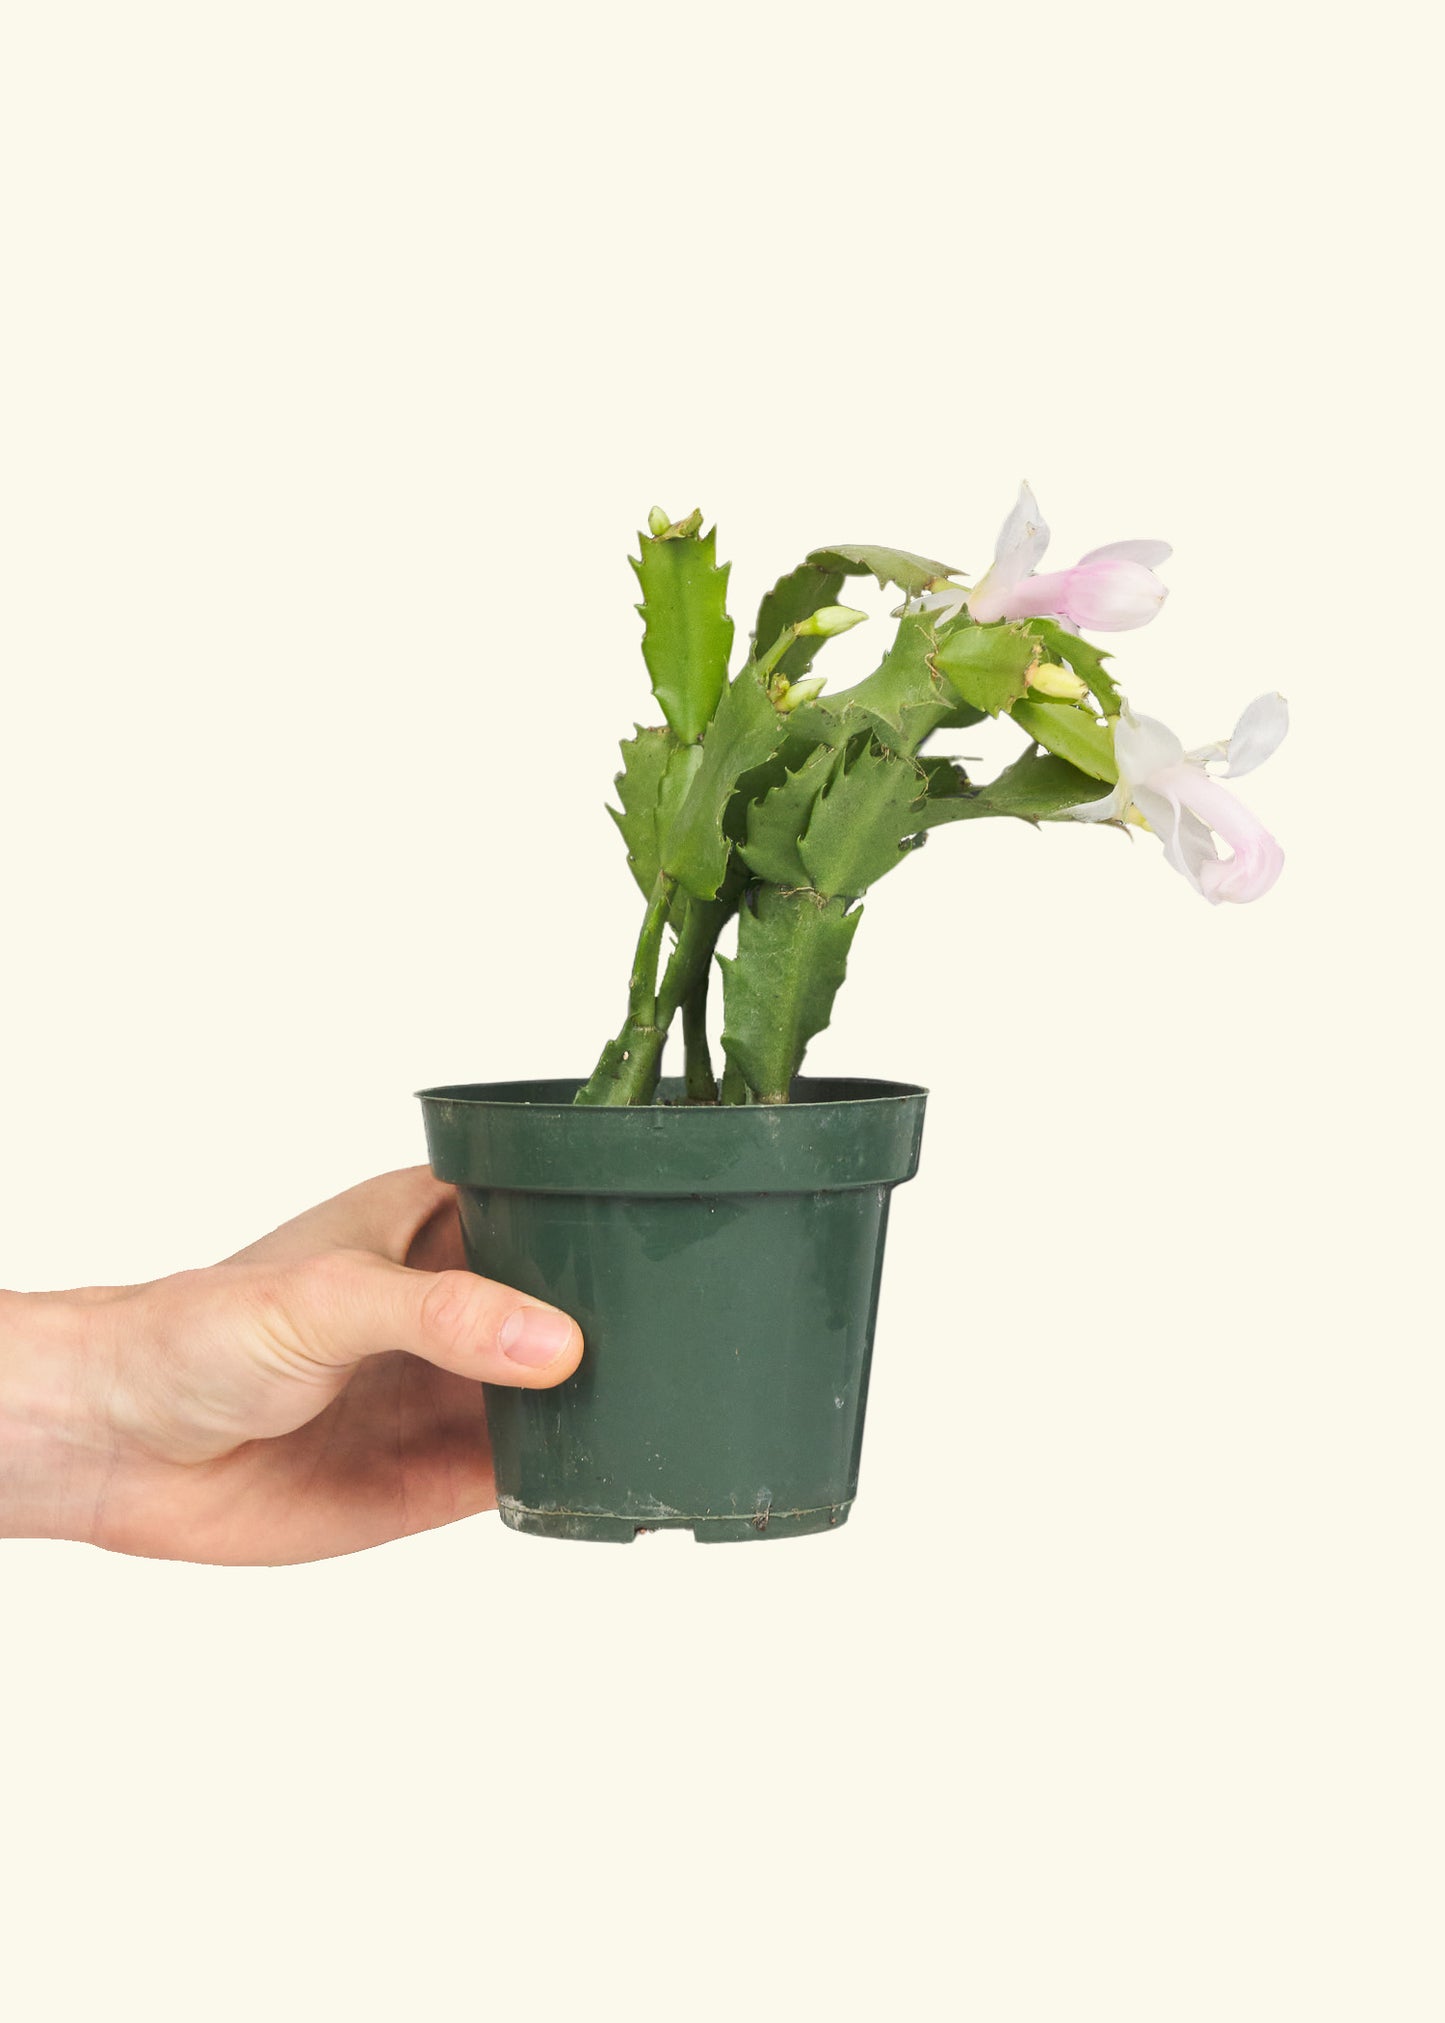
{"points": [[857, 831], [987, 666], [745, 733], [912, 573], [839, 823], [656, 774], [1037, 788], [1073, 734], [778, 990], [905, 698], [778, 820], [687, 634]]}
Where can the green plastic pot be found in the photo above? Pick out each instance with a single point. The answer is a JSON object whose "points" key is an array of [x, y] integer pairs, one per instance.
{"points": [[723, 1263]]}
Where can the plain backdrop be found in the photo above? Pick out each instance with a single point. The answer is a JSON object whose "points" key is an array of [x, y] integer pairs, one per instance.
{"points": [[345, 347]]}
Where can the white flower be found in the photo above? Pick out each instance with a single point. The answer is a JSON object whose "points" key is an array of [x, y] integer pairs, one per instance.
{"points": [[1173, 794], [1111, 589]]}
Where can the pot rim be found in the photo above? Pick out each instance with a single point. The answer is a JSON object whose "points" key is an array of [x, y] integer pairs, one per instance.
{"points": [[809, 1091], [530, 1137]]}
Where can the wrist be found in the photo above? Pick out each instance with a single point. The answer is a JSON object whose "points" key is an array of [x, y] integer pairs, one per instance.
{"points": [[52, 1460]]}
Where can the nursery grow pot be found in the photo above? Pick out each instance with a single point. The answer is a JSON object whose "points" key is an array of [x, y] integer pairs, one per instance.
{"points": [[723, 1264]]}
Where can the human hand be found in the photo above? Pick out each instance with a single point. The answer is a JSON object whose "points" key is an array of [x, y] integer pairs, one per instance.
{"points": [[315, 1394]]}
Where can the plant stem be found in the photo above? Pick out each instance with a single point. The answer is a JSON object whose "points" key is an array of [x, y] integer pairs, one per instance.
{"points": [[701, 1082], [686, 976], [642, 985], [734, 1088], [628, 1070], [763, 668]]}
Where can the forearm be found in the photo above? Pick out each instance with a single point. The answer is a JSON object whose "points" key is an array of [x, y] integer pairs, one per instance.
{"points": [[52, 1460]]}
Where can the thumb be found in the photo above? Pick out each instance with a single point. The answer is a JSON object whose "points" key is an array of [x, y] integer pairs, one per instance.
{"points": [[346, 1305]]}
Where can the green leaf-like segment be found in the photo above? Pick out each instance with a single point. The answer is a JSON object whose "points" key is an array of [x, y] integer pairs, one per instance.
{"points": [[1074, 734], [778, 990], [645, 761], [1037, 788], [776, 823], [687, 634], [745, 733], [867, 808], [904, 699], [987, 665], [912, 573]]}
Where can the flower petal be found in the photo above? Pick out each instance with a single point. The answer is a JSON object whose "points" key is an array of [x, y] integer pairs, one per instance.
{"points": [[1257, 860], [1188, 845], [1150, 553], [1021, 543], [1259, 732], [951, 600], [1247, 875], [1143, 747], [1112, 596], [1033, 597], [1108, 810]]}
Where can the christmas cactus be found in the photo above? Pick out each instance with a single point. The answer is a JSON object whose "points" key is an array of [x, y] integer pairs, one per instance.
{"points": [[762, 799]]}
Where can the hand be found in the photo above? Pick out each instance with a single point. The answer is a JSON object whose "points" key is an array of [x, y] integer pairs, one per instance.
{"points": [[315, 1394]]}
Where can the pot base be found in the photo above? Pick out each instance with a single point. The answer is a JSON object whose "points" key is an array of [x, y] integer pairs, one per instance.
{"points": [[607, 1528]]}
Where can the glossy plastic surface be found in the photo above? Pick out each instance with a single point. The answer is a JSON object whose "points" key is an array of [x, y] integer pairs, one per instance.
{"points": [[724, 1266]]}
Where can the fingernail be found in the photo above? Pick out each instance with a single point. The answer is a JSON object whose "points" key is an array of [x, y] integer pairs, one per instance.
{"points": [[534, 1336]]}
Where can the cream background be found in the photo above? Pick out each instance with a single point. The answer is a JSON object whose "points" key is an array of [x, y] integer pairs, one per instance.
{"points": [[345, 347]]}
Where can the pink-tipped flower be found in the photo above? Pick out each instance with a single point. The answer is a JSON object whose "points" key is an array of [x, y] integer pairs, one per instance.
{"points": [[1111, 589], [1171, 792]]}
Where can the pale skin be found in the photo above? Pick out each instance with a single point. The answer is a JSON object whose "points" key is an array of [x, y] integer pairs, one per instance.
{"points": [[318, 1393]]}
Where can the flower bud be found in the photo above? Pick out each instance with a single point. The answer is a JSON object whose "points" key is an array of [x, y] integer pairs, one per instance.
{"points": [[1051, 679], [798, 692], [657, 523], [832, 619]]}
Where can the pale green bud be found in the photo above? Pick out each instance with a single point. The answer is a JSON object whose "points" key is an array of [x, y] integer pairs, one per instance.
{"points": [[798, 692], [663, 529], [831, 620], [1050, 679]]}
